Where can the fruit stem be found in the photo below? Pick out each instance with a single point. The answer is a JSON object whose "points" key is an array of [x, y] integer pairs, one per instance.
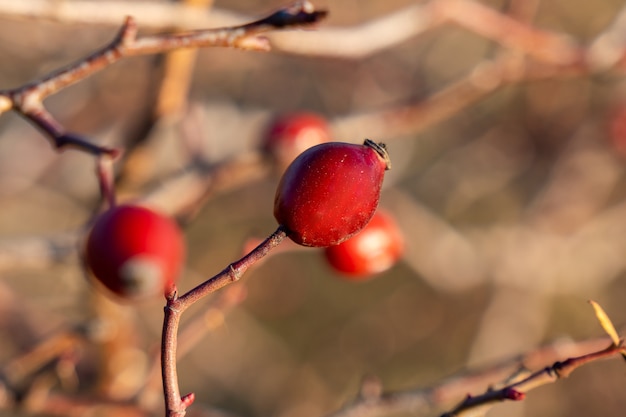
{"points": [[381, 149]]}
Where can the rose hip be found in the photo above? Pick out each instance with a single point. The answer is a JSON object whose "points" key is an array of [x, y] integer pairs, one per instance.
{"points": [[291, 134], [135, 252], [331, 191], [373, 250]]}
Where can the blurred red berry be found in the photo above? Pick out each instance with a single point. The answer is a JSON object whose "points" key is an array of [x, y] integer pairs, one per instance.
{"points": [[291, 134], [330, 192], [135, 252], [374, 249]]}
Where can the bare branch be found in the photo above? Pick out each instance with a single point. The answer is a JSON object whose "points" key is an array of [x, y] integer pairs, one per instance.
{"points": [[28, 99], [430, 400], [231, 273], [545, 376], [509, 32], [175, 405], [37, 251]]}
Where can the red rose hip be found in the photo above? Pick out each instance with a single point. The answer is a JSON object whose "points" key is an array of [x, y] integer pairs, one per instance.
{"points": [[291, 134], [374, 249], [135, 252], [330, 192]]}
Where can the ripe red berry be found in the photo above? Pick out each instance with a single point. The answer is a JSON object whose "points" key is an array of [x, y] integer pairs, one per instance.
{"points": [[135, 252], [291, 134], [374, 249], [330, 192]]}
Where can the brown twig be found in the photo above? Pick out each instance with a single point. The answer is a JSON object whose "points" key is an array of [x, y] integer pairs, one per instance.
{"points": [[206, 321], [516, 391], [37, 251], [168, 106], [509, 32], [180, 195], [175, 405], [430, 400], [23, 366], [177, 77], [347, 42], [27, 100]]}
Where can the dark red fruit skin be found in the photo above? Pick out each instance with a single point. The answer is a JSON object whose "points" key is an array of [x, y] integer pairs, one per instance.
{"points": [[127, 232], [373, 250], [291, 134], [330, 192]]}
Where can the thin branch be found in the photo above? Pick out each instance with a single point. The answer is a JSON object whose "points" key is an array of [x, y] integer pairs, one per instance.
{"points": [[359, 41], [175, 405], [196, 328], [37, 251], [178, 73], [126, 44], [23, 366], [181, 195], [545, 376], [27, 99], [430, 400], [32, 109], [421, 114], [353, 42], [486, 78], [231, 273], [184, 193], [542, 45]]}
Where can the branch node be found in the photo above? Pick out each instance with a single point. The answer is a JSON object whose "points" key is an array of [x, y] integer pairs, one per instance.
{"points": [[554, 369], [253, 43], [300, 13], [187, 400], [234, 273], [513, 394], [171, 308], [128, 32]]}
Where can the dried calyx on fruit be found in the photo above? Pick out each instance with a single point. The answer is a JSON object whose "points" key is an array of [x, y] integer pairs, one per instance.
{"points": [[135, 252], [331, 191]]}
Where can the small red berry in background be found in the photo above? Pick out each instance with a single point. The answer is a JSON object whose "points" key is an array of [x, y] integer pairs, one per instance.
{"points": [[373, 250], [135, 252], [330, 192], [291, 134]]}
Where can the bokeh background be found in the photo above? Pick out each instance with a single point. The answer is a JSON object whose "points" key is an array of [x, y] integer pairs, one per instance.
{"points": [[512, 206]]}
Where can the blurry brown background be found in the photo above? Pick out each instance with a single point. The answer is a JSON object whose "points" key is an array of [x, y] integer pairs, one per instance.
{"points": [[513, 209]]}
